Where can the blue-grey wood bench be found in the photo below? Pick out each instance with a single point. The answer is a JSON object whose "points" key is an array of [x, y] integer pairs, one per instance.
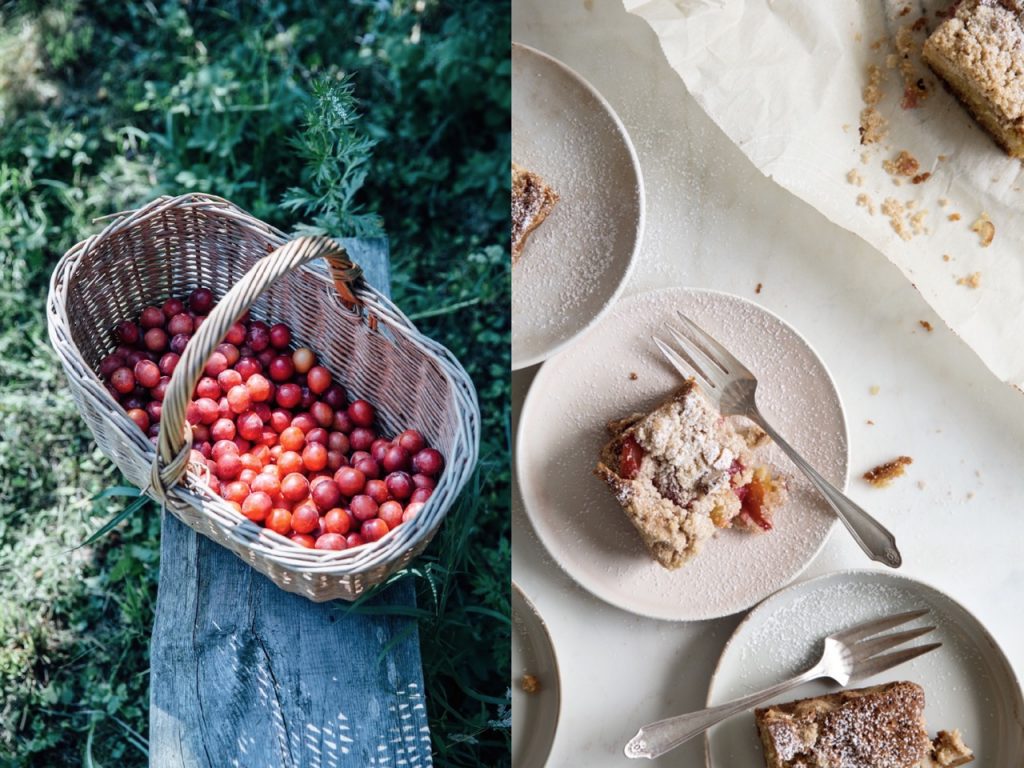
{"points": [[244, 674]]}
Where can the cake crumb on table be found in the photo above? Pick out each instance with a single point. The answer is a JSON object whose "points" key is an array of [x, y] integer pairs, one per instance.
{"points": [[926, 325], [972, 280], [884, 474]]}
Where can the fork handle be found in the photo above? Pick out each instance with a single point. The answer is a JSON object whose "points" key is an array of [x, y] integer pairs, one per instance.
{"points": [[873, 537], [656, 739]]}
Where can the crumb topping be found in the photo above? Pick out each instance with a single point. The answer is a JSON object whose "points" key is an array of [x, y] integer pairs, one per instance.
{"points": [[984, 40]]}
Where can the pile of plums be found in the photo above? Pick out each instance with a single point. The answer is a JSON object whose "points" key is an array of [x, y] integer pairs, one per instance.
{"points": [[283, 443]]}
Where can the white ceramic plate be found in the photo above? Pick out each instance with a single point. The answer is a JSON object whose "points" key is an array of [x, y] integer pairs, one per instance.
{"points": [[534, 715], [562, 429], [576, 262], [968, 682]]}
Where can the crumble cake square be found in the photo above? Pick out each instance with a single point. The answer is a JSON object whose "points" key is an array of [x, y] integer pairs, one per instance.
{"points": [[979, 53], [683, 471]]}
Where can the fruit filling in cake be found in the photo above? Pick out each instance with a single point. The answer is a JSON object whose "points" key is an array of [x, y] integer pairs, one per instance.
{"points": [[979, 53], [878, 727], [683, 471]]}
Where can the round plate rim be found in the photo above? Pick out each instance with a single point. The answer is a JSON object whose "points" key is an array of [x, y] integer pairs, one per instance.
{"points": [[528, 401], [518, 591], [847, 573], [641, 218]]}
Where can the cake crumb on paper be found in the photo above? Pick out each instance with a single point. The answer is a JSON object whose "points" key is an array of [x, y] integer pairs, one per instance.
{"points": [[904, 164], [872, 126], [946, 257], [972, 280], [953, 216], [633, 376], [926, 325], [921, 178], [758, 287], [870, 423], [874, 389], [985, 228], [853, 177], [917, 223], [943, 201], [865, 202], [914, 89], [884, 474], [895, 210], [920, 484]]}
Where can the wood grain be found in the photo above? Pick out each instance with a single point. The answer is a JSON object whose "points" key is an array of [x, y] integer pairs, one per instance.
{"points": [[245, 674]]}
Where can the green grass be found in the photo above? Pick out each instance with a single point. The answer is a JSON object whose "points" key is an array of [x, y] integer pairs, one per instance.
{"points": [[104, 106]]}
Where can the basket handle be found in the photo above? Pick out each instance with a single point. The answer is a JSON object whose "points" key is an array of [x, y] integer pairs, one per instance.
{"points": [[175, 439]]}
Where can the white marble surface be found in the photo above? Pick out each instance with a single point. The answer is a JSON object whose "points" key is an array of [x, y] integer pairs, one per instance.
{"points": [[714, 221]]}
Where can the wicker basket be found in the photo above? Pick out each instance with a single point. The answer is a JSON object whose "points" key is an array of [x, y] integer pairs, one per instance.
{"points": [[173, 245]]}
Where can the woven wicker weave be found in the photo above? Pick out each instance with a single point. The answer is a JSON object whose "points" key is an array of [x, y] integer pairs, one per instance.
{"points": [[173, 245]]}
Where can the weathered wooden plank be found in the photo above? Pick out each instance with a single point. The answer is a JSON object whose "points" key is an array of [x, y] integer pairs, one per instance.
{"points": [[244, 674]]}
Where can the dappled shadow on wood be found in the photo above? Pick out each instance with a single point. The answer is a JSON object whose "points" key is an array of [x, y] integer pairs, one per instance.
{"points": [[244, 674]]}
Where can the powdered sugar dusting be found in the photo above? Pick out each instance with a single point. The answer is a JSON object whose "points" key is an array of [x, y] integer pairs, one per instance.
{"points": [[562, 431], [965, 681], [575, 261]]}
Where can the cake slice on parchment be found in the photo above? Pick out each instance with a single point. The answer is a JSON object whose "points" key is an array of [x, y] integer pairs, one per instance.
{"points": [[532, 201], [979, 53], [683, 471], [878, 727]]}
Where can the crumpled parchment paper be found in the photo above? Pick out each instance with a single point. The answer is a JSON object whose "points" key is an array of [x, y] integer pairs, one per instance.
{"points": [[787, 82]]}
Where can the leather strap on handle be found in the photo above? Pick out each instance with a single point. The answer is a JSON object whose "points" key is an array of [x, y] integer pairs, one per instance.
{"points": [[175, 434]]}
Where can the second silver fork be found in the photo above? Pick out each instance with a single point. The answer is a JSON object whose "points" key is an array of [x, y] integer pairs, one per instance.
{"points": [[855, 653], [732, 387]]}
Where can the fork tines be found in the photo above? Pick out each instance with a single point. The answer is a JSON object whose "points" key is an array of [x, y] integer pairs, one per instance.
{"points": [[868, 646]]}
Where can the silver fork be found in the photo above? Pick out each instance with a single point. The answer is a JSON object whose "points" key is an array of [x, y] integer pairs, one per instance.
{"points": [[851, 655], [731, 386]]}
